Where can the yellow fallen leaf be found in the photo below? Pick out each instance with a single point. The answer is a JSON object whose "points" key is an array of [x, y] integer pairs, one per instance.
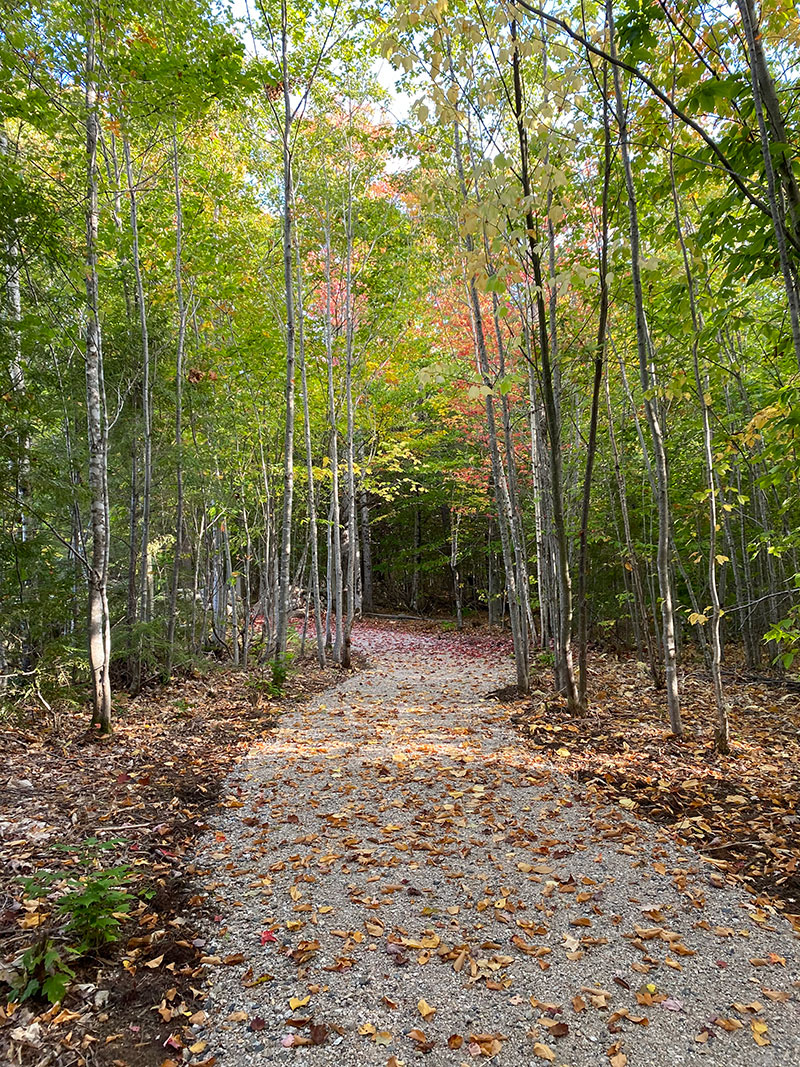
{"points": [[298, 1002], [31, 921], [543, 1052], [425, 1009], [759, 1032]]}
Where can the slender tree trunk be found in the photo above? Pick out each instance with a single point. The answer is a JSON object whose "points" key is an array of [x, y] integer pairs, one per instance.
{"points": [[226, 564], [99, 626], [516, 529], [312, 503], [722, 736], [500, 485], [133, 558], [329, 579], [552, 551], [284, 562], [454, 522], [591, 447], [414, 599], [21, 462], [659, 451], [267, 584], [352, 527], [147, 459], [366, 543], [198, 555], [490, 593], [564, 667], [336, 519], [540, 481], [246, 596], [639, 603], [17, 373], [764, 93], [176, 563], [518, 628]]}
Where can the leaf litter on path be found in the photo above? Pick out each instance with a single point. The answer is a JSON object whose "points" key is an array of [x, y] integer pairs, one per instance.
{"points": [[438, 889]]}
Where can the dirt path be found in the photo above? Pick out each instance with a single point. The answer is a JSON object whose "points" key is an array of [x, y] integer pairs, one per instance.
{"points": [[395, 861]]}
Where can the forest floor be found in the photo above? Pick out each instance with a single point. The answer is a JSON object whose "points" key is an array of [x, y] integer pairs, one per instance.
{"points": [[417, 864], [149, 789]]}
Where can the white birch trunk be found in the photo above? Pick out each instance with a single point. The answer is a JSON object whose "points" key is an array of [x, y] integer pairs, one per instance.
{"points": [[99, 627], [284, 562]]}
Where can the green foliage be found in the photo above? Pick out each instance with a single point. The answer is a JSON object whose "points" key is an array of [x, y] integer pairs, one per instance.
{"points": [[279, 672], [94, 900], [635, 28], [96, 906], [786, 635], [186, 78], [43, 970]]}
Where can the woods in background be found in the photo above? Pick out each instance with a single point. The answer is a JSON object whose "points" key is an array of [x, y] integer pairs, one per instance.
{"points": [[273, 356]]}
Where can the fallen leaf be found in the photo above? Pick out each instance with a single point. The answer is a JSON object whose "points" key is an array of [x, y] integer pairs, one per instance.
{"points": [[425, 1009], [543, 1051], [295, 1040]]}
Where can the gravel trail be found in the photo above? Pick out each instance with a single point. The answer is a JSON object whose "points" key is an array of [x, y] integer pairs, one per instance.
{"points": [[399, 876]]}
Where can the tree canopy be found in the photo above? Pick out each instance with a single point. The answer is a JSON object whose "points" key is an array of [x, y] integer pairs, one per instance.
{"points": [[516, 338]]}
